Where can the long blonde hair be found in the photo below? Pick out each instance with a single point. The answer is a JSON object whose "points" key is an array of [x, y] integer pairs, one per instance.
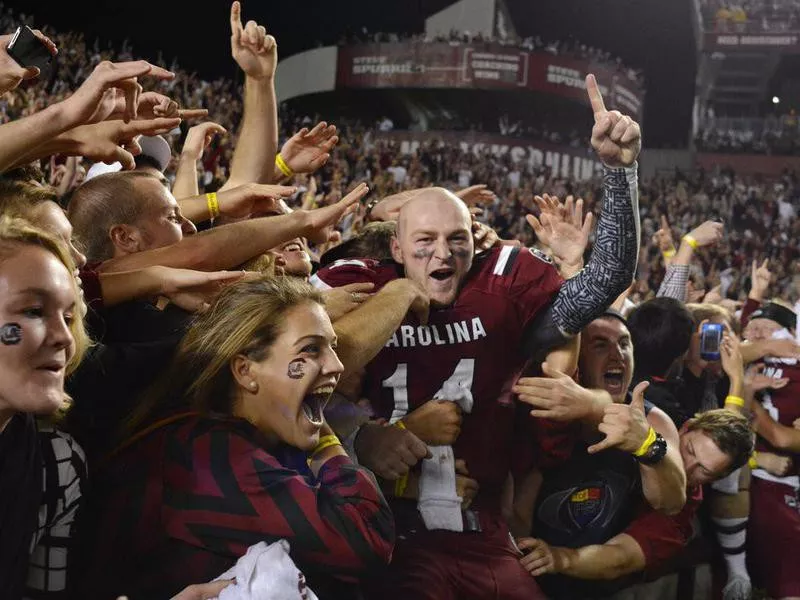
{"points": [[16, 234], [246, 318]]}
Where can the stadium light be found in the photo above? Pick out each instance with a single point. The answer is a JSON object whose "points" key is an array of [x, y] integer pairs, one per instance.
{"points": [[776, 100]]}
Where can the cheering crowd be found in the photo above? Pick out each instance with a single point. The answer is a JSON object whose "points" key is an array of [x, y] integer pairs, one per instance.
{"points": [[235, 368]]}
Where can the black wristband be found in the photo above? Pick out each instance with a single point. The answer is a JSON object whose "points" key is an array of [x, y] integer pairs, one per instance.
{"points": [[656, 453]]}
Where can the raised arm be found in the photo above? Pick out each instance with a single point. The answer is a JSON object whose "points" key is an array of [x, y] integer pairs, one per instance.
{"points": [[231, 245], [198, 138], [257, 55], [611, 267], [676, 277], [627, 428]]}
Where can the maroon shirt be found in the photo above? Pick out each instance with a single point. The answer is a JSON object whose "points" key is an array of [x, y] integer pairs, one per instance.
{"points": [[476, 342]]}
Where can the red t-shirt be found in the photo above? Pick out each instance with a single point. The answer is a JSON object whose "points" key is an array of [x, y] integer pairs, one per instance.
{"points": [[661, 536], [475, 343]]}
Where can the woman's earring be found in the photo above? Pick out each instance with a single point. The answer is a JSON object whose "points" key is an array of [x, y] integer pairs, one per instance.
{"points": [[253, 385]]}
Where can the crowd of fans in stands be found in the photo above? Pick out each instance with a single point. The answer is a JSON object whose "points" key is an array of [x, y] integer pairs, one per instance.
{"points": [[376, 375], [751, 16]]}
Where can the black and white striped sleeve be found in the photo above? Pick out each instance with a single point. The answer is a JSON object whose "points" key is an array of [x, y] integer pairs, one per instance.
{"points": [[612, 265]]}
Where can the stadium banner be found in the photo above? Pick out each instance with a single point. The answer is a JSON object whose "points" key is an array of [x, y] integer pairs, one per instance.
{"points": [[481, 66], [749, 164], [574, 163], [786, 42]]}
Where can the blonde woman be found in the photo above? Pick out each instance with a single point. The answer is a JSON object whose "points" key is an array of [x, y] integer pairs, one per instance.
{"points": [[41, 469], [216, 461]]}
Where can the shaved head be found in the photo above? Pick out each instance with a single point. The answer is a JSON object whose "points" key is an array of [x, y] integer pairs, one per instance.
{"points": [[434, 243]]}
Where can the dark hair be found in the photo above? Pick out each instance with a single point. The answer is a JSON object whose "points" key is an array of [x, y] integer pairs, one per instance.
{"points": [[730, 431], [373, 241], [143, 160], [661, 330]]}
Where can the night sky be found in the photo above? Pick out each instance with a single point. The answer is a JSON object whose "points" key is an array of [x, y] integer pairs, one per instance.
{"points": [[654, 35]]}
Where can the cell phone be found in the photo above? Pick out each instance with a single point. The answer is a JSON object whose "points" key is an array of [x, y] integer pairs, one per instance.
{"points": [[710, 339], [29, 51]]}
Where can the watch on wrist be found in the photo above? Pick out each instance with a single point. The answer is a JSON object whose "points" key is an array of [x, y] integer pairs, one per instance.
{"points": [[655, 453]]}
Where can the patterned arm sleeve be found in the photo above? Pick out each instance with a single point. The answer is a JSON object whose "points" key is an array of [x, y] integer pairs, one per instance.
{"points": [[340, 524], [676, 278], [612, 264]]}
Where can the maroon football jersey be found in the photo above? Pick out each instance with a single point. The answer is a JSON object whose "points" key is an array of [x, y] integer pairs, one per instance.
{"points": [[783, 405], [476, 343]]}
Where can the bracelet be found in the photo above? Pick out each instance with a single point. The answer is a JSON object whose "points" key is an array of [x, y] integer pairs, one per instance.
{"points": [[669, 253], [735, 400], [691, 241], [401, 484], [213, 204], [285, 169], [752, 462], [326, 441], [651, 437]]}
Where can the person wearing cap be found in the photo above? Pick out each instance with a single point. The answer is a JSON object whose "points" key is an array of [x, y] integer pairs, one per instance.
{"points": [[774, 527], [605, 513]]}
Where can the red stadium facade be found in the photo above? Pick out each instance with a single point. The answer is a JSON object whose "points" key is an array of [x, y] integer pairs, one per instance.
{"points": [[480, 66]]}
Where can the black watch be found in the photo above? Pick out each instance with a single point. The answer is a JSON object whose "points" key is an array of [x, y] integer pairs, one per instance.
{"points": [[655, 453]]}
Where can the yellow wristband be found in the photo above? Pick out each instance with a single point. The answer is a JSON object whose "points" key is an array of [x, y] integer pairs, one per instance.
{"points": [[213, 204], [651, 437], [691, 241], [669, 253], [285, 169], [735, 400], [752, 462], [326, 441], [401, 484]]}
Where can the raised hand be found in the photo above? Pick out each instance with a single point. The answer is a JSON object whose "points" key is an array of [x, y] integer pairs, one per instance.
{"points": [[306, 151], [616, 138], [254, 51], [11, 72], [731, 358], [476, 194], [194, 291], [96, 99], [321, 221], [563, 229], [708, 233], [253, 198], [112, 141], [756, 381], [774, 463], [555, 396], [341, 300], [760, 277], [663, 237], [198, 138], [202, 591], [625, 425]]}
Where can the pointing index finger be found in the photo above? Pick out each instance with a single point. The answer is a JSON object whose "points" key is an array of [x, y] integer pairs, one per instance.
{"points": [[595, 97], [236, 20]]}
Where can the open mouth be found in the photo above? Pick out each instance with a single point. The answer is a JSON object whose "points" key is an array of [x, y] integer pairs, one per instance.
{"points": [[443, 274], [613, 379], [314, 405], [294, 247]]}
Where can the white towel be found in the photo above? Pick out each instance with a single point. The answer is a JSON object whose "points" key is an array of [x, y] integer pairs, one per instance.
{"points": [[266, 573], [438, 503]]}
